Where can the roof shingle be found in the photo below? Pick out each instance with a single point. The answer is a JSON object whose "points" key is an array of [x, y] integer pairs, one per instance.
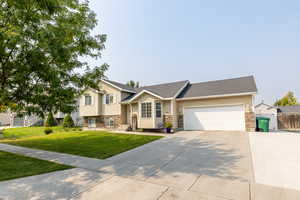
{"points": [[166, 90], [220, 87], [122, 86]]}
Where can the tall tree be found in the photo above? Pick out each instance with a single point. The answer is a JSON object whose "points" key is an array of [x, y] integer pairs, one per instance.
{"points": [[288, 100], [41, 46], [133, 84]]}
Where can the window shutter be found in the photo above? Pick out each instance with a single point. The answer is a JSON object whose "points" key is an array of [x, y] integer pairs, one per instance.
{"points": [[116, 98], [103, 99]]}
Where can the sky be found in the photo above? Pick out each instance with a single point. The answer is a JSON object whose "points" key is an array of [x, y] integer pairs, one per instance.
{"points": [[157, 41]]}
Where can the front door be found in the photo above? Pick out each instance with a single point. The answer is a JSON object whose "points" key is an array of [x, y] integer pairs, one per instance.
{"points": [[134, 122]]}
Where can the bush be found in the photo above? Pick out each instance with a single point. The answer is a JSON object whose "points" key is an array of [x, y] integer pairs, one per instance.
{"points": [[168, 125], [68, 121], [47, 131], [50, 121]]}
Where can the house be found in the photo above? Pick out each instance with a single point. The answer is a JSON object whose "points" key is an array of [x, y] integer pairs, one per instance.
{"points": [[5, 119], [23, 120], [12, 119], [265, 110], [214, 105], [59, 116]]}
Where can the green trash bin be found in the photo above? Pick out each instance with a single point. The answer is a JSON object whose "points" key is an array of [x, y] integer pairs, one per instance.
{"points": [[263, 124]]}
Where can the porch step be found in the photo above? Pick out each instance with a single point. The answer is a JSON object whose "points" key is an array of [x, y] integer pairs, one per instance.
{"points": [[124, 127]]}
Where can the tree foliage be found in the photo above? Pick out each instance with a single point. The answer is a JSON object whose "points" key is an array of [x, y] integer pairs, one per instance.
{"points": [[133, 84], [50, 121], [42, 43], [68, 121], [288, 100]]}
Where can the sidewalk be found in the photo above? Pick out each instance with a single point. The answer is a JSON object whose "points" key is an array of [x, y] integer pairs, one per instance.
{"points": [[61, 158]]}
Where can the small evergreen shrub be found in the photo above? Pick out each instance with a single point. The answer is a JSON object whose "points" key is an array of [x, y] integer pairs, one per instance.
{"points": [[47, 131], [68, 121], [50, 121]]}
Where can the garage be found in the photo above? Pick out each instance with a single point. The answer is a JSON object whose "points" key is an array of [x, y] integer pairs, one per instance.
{"points": [[215, 118]]}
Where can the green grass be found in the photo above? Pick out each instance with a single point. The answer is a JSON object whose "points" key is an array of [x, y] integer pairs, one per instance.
{"points": [[15, 166], [94, 144], [29, 131]]}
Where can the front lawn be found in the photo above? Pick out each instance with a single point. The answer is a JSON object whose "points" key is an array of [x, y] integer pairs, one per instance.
{"points": [[94, 144], [28, 131], [15, 166]]}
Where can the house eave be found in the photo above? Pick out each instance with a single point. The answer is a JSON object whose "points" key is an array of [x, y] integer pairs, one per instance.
{"points": [[216, 96], [121, 89], [181, 89]]}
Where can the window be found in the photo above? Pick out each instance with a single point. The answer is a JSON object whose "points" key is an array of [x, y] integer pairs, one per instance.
{"points": [[158, 109], [146, 110], [92, 122], [106, 99], [109, 99], [88, 100], [109, 122]]}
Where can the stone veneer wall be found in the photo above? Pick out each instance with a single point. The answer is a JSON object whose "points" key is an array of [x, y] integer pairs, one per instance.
{"points": [[180, 121], [250, 118], [171, 119], [176, 125], [168, 118], [100, 121]]}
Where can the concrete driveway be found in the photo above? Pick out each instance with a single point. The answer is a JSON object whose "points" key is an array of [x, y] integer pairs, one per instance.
{"points": [[193, 165], [187, 165], [276, 159]]}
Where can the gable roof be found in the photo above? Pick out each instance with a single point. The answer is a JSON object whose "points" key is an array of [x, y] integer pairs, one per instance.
{"points": [[269, 106], [289, 109], [166, 90], [219, 88], [120, 86]]}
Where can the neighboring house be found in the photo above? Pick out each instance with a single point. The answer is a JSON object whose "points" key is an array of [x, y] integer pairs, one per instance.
{"points": [[24, 120], [214, 105], [289, 117], [75, 116], [265, 110], [5, 119]]}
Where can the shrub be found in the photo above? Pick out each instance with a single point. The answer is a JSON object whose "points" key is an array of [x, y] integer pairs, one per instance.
{"points": [[68, 121], [168, 125], [79, 129], [50, 121], [47, 131]]}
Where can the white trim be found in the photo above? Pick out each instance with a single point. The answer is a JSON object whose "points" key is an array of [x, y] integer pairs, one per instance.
{"points": [[146, 107], [153, 114], [217, 105], [94, 90], [131, 91], [146, 91], [186, 84], [216, 96], [253, 100]]}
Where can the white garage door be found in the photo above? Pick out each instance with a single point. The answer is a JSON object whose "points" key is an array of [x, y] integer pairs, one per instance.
{"points": [[215, 118]]}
